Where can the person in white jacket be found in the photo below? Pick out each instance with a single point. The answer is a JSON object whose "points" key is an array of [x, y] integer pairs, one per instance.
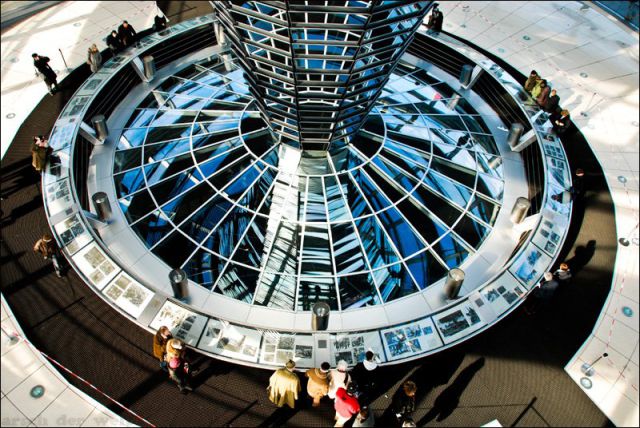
{"points": [[339, 378]]}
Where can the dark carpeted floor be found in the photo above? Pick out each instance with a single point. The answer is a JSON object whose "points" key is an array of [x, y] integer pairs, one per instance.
{"points": [[513, 372]]}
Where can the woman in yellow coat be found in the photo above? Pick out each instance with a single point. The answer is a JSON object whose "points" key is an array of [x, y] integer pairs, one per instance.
{"points": [[284, 386]]}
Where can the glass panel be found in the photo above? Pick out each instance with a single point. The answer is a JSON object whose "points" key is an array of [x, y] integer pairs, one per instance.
{"points": [[451, 250], [484, 210], [426, 269], [404, 238], [394, 282], [153, 227], [129, 182], [276, 291], [238, 282], [471, 231], [316, 253], [317, 289], [137, 205], [357, 291], [346, 249], [203, 268], [167, 249]]}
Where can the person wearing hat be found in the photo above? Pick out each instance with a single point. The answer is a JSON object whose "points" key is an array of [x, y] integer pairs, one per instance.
{"points": [[284, 386], [318, 385], [346, 404], [338, 378], [47, 247]]}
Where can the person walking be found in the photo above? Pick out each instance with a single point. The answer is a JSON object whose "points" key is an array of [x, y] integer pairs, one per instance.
{"points": [[127, 34], [346, 404], [39, 153], [365, 374], [114, 42], [338, 378], [284, 386], [94, 58], [48, 248], [435, 19], [552, 103], [41, 63], [160, 340], [404, 402], [318, 384]]}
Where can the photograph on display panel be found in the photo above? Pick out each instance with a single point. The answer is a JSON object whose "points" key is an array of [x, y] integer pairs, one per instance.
{"points": [[406, 340], [183, 323], [352, 347]]}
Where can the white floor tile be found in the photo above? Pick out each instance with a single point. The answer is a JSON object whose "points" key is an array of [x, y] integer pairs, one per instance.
{"points": [[10, 416], [17, 363], [68, 410], [620, 409], [32, 407]]}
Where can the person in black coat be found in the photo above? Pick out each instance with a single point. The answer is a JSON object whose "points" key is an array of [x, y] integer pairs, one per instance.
{"points": [[41, 63], [552, 102], [435, 19], [114, 42], [127, 33], [159, 23], [404, 401], [560, 121]]}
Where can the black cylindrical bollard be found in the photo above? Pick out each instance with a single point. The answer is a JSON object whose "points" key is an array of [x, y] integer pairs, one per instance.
{"points": [[452, 286], [149, 67], [100, 125], [520, 209], [515, 132], [179, 283], [465, 74], [320, 314], [101, 205]]}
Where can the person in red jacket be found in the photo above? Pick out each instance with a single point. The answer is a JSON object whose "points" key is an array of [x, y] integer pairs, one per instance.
{"points": [[346, 404]]}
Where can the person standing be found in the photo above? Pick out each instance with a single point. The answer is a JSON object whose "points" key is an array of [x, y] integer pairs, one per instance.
{"points": [[404, 402], [41, 63], [552, 103], [47, 247], [284, 386], [159, 22], [114, 42], [346, 404], [543, 96], [160, 340], [318, 384], [338, 378], [563, 273], [365, 374], [94, 58], [176, 364], [435, 19], [127, 34], [532, 81], [543, 294], [39, 153], [561, 121], [578, 184]]}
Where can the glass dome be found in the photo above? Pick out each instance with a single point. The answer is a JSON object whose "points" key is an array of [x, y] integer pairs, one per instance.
{"points": [[209, 189]]}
